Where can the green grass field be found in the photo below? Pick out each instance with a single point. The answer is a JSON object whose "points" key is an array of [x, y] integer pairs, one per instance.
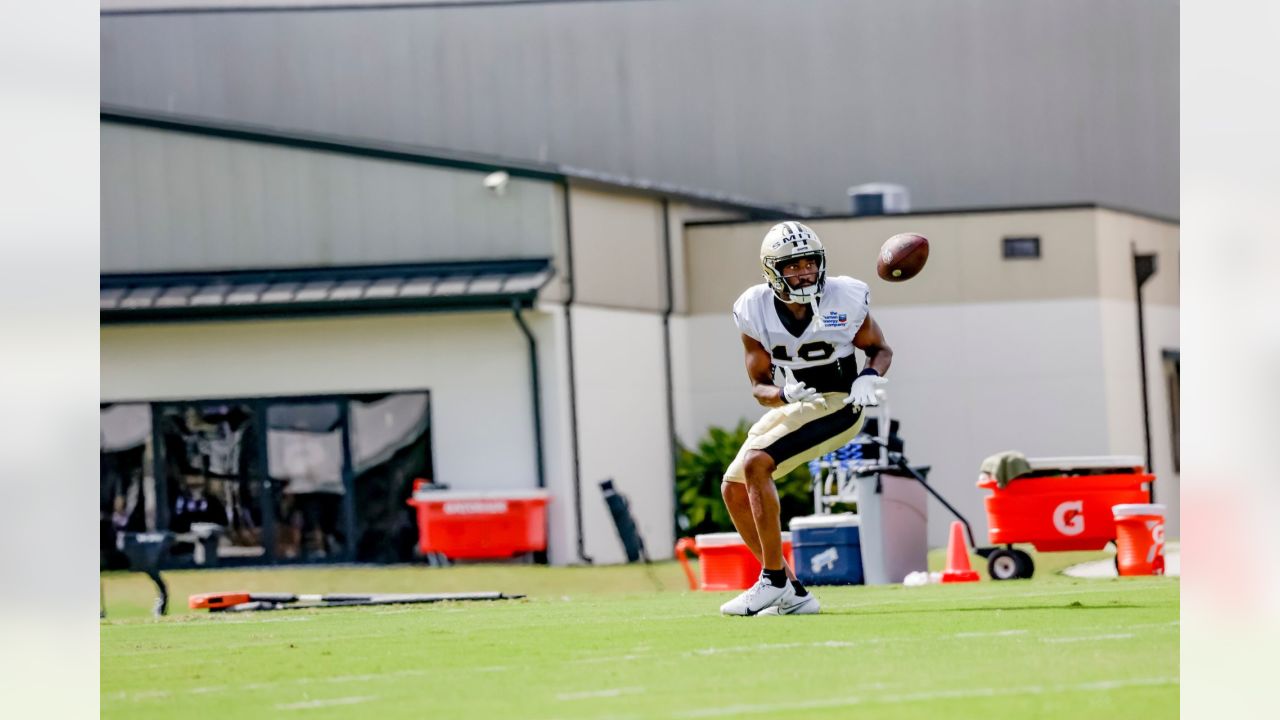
{"points": [[619, 642]]}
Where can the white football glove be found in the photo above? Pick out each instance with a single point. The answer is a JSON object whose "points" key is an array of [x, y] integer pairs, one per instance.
{"points": [[799, 392], [864, 390]]}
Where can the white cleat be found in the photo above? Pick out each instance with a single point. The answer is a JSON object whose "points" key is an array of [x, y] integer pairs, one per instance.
{"points": [[792, 604], [754, 599]]}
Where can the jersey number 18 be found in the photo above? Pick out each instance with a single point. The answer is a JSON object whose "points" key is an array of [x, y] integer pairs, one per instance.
{"points": [[810, 351]]}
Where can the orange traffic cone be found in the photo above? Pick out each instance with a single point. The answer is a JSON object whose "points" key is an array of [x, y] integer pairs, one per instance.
{"points": [[958, 569]]}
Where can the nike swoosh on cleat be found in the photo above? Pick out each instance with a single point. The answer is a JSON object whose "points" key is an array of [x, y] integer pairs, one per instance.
{"points": [[798, 605]]}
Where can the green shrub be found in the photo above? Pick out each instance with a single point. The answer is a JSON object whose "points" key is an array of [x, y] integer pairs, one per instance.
{"points": [[700, 471]]}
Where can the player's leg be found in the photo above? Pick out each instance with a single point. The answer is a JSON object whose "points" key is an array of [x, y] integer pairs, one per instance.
{"points": [[754, 507], [734, 486], [803, 436], [739, 505], [737, 496], [765, 508], [782, 435]]}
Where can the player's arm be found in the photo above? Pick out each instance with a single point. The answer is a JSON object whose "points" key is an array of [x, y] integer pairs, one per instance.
{"points": [[871, 341], [760, 372]]}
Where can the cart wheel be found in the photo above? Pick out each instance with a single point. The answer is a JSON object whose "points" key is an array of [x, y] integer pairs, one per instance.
{"points": [[1026, 568], [1002, 565]]}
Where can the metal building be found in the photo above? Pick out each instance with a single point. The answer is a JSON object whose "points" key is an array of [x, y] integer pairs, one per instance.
{"points": [[474, 226]]}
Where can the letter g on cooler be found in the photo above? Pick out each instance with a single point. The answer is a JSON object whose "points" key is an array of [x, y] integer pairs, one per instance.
{"points": [[1068, 518]]}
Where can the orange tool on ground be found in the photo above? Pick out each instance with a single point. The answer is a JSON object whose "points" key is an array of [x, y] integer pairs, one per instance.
{"points": [[246, 601]]}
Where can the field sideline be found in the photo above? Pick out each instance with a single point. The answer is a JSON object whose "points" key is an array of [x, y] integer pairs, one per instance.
{"points": [[606, 643]]}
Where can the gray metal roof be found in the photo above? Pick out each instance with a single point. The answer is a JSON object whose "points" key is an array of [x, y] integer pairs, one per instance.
{"points": [[964, 103], [148, 297]]}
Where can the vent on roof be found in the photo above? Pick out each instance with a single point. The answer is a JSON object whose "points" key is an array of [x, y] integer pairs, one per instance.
{"points": [[879, 199]]}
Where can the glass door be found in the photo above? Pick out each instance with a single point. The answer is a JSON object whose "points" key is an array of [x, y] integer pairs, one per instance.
{"points": [[308, 461], [213, 481]]}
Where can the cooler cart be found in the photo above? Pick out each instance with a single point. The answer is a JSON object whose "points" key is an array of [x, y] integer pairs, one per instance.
{"points": [[1063, 504]]}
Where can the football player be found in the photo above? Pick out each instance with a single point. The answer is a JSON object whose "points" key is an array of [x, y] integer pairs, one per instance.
{"points": [[807, 324]]}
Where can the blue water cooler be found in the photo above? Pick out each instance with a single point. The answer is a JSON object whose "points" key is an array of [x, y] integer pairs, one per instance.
{"points": [[827, 549]]}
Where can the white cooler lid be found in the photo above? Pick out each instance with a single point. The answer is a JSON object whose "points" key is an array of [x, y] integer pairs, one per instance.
{"points": [[1082, 463], [847, 519], [1131, 509], [726, 539], [455, 495]]}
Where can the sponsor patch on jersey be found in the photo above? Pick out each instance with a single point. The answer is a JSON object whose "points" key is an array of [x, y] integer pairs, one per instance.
{"points": [[835, 319]]}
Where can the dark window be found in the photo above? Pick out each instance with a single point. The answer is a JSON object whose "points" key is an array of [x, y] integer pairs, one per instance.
{"points": [[1016, 248], [126, 486], [266, 480]]}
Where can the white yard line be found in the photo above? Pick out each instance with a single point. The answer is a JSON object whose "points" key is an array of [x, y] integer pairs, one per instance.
{"points": [[997, 633], [731, 649], [1064, 593], [217, 620], [611, 658], [330, 702], [778, 646], [1174, 623], [322, 680], [798, 704], [862, 641], [1085, 638], [591, 694], [258, 641]]}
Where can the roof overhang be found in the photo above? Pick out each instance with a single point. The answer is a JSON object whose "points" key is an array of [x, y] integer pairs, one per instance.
{"points": [[292, 292]]}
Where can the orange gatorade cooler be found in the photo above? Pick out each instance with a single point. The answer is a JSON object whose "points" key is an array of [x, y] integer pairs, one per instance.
{"points": [[725, 563], [1139, 539], [1064, 503]]}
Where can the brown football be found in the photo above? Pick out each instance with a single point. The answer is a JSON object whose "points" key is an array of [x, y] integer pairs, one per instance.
{"points": [[902, 257]]}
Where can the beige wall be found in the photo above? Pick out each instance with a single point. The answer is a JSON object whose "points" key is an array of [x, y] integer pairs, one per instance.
{"points": [[1163, 333], [1123, 382], [958, 397], [622, 424], [557, 289], [965, 263], [678, 214], [1119, 234], [990, 355], [617, 250], [619, 265], [548, 325]]}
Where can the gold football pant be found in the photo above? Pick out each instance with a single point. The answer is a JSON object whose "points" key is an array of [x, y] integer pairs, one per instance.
{"points": [[797, 433]]}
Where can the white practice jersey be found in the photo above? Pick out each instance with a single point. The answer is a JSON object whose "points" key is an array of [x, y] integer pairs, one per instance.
{"points": [[841, 310]]}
